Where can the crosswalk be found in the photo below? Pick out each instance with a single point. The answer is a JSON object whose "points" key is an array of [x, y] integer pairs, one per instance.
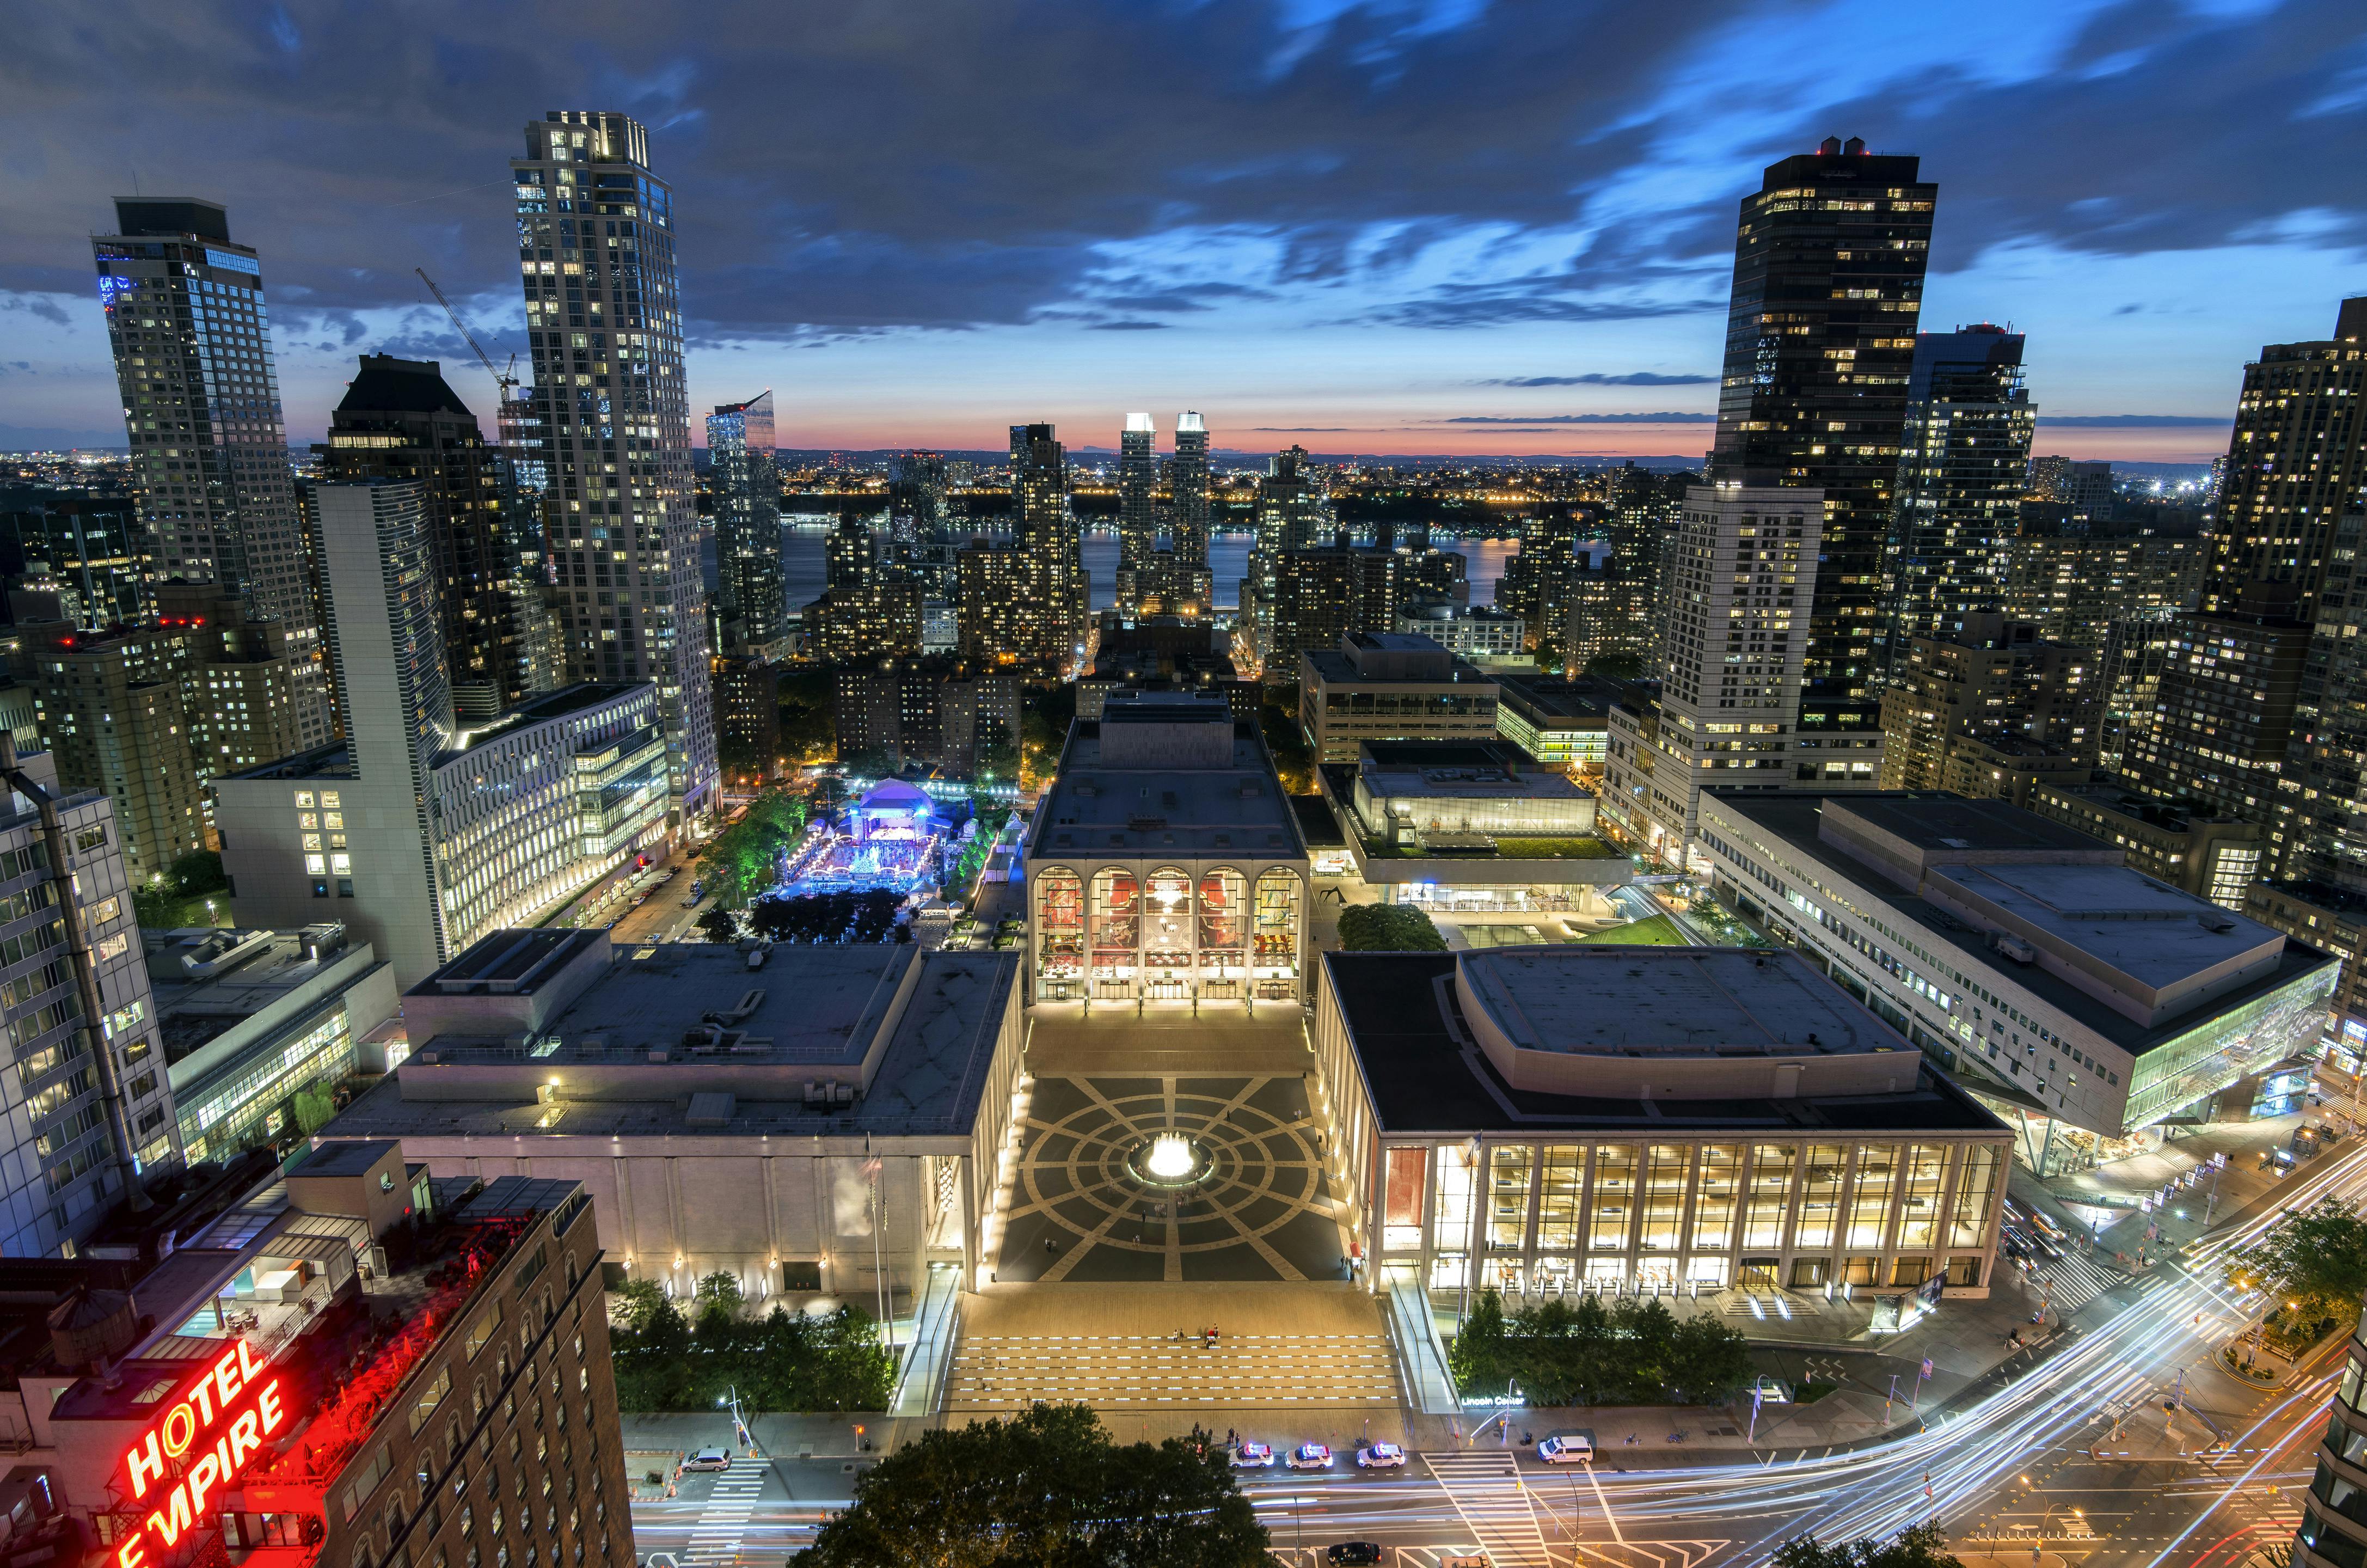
{"points": [[994, 1372], [723, 1523], [1487, 1490], [2076, 1279]]}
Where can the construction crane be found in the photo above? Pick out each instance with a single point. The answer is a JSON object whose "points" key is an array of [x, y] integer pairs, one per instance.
{"points": [[502, 379]]}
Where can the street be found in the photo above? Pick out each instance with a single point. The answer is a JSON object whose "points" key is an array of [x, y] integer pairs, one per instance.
{"points": [[2068, 1460]]}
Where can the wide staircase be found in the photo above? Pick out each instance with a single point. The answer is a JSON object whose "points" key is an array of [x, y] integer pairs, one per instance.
{"points": [[1319, 1352]]}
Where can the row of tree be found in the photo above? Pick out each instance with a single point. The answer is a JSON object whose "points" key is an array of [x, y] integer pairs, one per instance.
{"points": [[1581, 1352], [1387, 928], [744, 859], [665, 1360]]}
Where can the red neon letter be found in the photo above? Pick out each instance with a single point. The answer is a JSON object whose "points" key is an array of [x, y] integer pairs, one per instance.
{"points": [[225, 1377], [246, 1437], [203, 1476], [131, 1556], [268, 1405], [204, 1395], [176, 1443], [247, 1363], [175, 1516], [146, 1464]]}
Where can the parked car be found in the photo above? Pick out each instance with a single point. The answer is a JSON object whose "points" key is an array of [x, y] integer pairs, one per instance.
{"points": [[1310, 1456], [1380, 1456], [708, 1459], [1354, 1551], [1567, 1448], [1252, 1456]]}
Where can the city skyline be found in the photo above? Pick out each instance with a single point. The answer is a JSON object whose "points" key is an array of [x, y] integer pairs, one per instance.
{"points": [[1350, 245]]}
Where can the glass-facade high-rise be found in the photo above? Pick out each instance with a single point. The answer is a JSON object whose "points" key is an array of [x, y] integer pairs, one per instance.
{"points": [[191, 336], [1961, 469], [603, 320], [1829, 266], [1138, 483], [1189, 481], [747, 516]]}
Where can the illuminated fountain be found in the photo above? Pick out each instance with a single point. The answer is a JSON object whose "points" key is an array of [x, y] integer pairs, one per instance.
{"points": [[1170, 1159]]}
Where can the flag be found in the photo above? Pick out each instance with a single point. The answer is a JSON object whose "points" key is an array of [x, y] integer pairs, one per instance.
{"points": [[1927, 1365]]}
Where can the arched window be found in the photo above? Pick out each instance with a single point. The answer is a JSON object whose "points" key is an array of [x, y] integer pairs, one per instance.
{"points": [[1274, 928], [1223, 920], [1118, 923], [1059, 926], [1167, 920]]}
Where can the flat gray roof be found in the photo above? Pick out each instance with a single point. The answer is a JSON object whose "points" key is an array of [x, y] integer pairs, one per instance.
{"points": [[1793, 820], [1237, 809], [1937, 822], [1333, 668], [1596, 1001], [2141, 928], [928, 1082]]}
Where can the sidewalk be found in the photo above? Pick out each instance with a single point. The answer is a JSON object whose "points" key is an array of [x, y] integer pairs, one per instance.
{"points": [[2104, 1201]]}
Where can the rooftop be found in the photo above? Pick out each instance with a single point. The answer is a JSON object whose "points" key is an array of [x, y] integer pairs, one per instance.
{"points": [[1668, 1002], [1334, 669], [1797, 822], [1449, 770], [685, 1037], [233, 982], [561, 704], [2142, 928], [1237, 808], [1547, 699], [1427, 1075]]}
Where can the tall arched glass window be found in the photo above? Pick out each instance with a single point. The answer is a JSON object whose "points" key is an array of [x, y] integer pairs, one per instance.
{"points": [[1061, 930], [1167, 921], [1275, 932], [1116, 925]]}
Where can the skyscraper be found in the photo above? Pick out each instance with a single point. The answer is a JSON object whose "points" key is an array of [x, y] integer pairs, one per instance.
{"points": [[191, 336], [1961, 469], [1829, 268], [1289, 504], [603, 320], [1190, 483], [1052, 611], [747, 517], [400, 419], [1743, 589], [2297, 464], [1138, 481]]}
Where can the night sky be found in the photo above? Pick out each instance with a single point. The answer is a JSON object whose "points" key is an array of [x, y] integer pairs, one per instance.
{"points": [[1446, 227]]}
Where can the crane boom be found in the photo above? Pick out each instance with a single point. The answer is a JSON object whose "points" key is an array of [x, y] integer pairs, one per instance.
{"points": [[503, 382]]}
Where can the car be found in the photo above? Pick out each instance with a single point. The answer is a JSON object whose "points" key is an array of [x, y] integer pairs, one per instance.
{"points": [[691, 903], [1354, 1551], [1380, 1456], [640, 899], [1567, 1448], [708, 1459], [1252, 1456], [1310, 1456]]}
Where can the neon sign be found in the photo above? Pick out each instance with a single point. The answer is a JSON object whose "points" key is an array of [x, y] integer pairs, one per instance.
{"points": [[197, 1449]]}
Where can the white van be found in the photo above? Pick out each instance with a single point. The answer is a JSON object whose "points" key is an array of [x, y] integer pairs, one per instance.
{"points": [[1567, 1448]]}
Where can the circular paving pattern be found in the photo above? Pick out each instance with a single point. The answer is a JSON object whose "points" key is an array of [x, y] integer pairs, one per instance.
{"points": [[1256, 1210]]}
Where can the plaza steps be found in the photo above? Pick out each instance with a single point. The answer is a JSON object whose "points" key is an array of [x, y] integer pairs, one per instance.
{"points": [[1296, 1362]]}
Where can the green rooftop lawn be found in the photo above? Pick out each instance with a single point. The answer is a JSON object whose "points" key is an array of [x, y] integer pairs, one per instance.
{"points": [[1653, 930], [1555, 849]]}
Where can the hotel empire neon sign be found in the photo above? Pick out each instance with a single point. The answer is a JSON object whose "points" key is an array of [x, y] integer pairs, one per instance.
{"points": [[197, 1449]]}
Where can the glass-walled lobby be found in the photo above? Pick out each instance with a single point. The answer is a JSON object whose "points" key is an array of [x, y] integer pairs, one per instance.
{"points": [[1125, 933]]}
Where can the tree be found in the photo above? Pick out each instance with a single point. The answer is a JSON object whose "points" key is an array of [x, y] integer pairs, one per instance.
{"points": [[2314, 1259], [1477, 1357], [1918, 1546], [719, 924], [744, 857], [313, 1109], [640, 1298], [1616, 666], [1294, 759], [1046, 1487], [198, 871], [719, 1291], [1389, 929], [997, 762]]}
